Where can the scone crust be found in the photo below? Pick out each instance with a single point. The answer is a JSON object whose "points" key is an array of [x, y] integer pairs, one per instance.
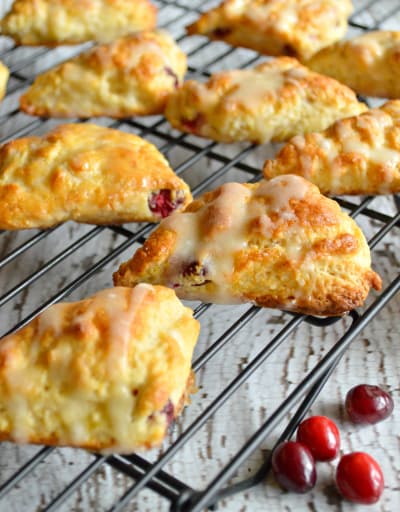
{"points": [[276, 27], [100, 373], [86, 173], [369, 64], [273, 101], [277, 244], [357, 155], [133, 75], [56, 22], [4, 74]]}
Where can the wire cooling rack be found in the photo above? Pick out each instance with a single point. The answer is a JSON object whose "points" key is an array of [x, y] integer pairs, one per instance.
{"points": [[34, 264]]}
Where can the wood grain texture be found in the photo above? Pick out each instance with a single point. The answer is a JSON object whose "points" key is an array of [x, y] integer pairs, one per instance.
{"points": [[372, 357]]}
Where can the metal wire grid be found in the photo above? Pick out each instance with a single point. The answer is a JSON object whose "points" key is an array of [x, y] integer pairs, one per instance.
{"points": [[182, 496]]}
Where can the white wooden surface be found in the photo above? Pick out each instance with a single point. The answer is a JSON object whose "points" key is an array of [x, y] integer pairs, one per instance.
{"points": [[372, 358]]}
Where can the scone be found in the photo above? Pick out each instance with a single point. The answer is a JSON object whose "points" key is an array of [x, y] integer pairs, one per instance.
{"points": [[276, 27], [277, 243], [132, 76], [4, 74], [85, 173], [273, 101], [100, 373], [56, 22], [358, 155], [369, 64]]}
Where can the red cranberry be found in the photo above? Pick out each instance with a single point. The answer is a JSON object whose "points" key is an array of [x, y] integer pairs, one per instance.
{"points": [[169, 412], [359, 478], [162, 204], [171, 73], [294, 467], [368, 404], [321, 436]]}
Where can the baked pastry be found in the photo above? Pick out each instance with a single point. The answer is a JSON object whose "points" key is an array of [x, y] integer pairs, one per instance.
{"points": [[369, 64], [273, 101], [4, 74], [85, 173], [277, 243], [276, 27], [100, 373], [357, 155], [55, 22], [131, 76]]}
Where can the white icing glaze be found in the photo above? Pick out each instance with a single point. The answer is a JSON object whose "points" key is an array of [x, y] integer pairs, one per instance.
{"points": [[120, 318], [377, 152], [52, 319], [249, 87], [216, 233], [281, 190]]}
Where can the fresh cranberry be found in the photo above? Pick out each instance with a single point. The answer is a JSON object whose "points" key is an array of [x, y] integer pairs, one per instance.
{"points": [[193, 269], [170, 72], [169, 411], [368, 404], [321, 436], [359, 478], [193, 125], [294, 467], [162, 204]]}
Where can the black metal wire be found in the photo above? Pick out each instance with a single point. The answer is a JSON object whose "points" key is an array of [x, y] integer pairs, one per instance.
{"points": [[181, 496]]}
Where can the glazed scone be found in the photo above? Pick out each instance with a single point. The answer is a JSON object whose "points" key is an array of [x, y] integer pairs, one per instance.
{"points": [[85, 173], [276, 27], [277, 243], [357, 155], [134, 75], [369, 64], [273, 101], [4, 74], [56, 22], [100, 373]]}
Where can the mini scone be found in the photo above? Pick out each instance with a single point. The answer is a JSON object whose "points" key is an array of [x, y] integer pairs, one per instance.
{"points": [[276, 27], [4, 74], [357, 155], [273, 101], [85, 173], [100, 373], [277, 243], [134, 75], [369, 64], [56, 22]]}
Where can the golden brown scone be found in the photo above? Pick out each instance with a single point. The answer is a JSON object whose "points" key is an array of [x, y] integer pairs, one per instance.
{"points": [[55, 22], [358, 155], [276, 27], [134, 75], [273, 101], [85, 173], [4, 74], [278, 243], [369, 64], [100, 373]]}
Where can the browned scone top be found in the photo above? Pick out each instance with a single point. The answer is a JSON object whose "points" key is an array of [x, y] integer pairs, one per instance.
{"points": [[357, 155], [278, 243], [100, 373], [273, 101], [276, 27], [85, 173], [4, 74], [369, 64], [56, 22], [133, 75]]}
